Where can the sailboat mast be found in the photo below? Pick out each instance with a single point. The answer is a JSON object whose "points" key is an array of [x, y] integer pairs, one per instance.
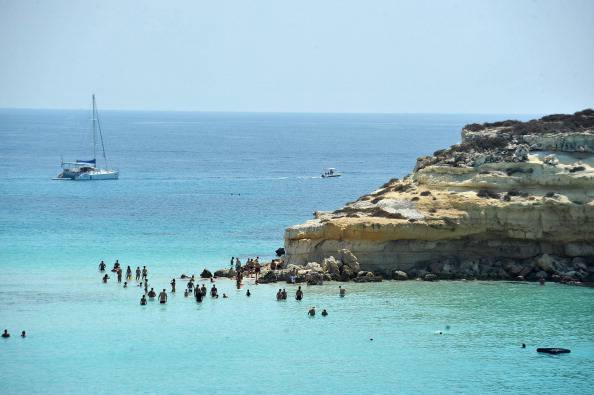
{"points": [[94, 130]]}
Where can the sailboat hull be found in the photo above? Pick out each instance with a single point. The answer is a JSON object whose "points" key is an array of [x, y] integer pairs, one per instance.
{"points": [[92, 175]]}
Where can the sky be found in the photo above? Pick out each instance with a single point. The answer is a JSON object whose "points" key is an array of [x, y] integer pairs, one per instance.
{"points": [[447, 56]]}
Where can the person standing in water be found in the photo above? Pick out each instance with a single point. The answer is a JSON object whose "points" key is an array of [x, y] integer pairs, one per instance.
{"points": [[203, 289], [312, 311], [172, 285], [138, 273], [232, 261], [144, 272], [152, 293], [101, 266], [6, 335], [257, 269], [248, 293], [284, 294], [119, 273], [341, 291], [163, 297], [198, 294], [23, 334], [105, 278], [214, 292], [128, 273], [279, 295], [324, 313], [299, 293], [143, 300]]}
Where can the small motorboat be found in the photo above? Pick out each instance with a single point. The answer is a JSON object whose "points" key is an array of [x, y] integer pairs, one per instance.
{"points": [[331, 172]]}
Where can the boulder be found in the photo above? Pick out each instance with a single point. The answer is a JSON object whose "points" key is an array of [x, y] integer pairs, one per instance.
{"points": [[551, 160], [268, 277], [331, 265], [314, 266], [206, 274], [546, 263], [430, 277], [314, 278], [221, 273], [347, 258], [280, 252], [400, 275]]}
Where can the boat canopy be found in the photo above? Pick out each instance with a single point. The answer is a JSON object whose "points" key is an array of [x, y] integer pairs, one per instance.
{"points": [[90, 161]]}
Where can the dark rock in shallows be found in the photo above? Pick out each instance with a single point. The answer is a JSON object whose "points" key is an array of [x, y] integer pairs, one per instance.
{"points": [[206, 274], [430, 277]]}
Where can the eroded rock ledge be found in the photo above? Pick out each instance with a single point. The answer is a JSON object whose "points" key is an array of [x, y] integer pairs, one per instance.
{"points": [[510, 196]]}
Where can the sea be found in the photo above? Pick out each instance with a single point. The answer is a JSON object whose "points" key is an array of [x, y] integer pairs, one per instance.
{"points": [[196, 189]]}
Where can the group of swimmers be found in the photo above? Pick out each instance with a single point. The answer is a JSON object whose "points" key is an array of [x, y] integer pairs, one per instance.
{"points": [[6, 335], [199, 292]]}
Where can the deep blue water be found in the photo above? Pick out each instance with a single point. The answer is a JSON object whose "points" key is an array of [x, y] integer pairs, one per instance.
{"points": [[196, 188]]}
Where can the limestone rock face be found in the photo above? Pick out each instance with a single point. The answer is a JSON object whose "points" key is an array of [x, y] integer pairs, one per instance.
{"points": [[512, 199]]}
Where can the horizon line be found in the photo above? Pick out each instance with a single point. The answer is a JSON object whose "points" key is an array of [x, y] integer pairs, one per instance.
{"points": [[276, 112]]}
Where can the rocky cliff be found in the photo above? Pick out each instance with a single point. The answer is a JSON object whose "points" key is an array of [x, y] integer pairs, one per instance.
{"points": [[512, 199]]}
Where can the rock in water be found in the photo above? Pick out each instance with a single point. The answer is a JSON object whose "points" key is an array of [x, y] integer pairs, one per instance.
{"points": [[491, 206], [206, 274]]}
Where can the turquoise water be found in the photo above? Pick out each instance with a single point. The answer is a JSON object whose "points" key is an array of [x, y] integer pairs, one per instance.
{"points": [[198, 188]]}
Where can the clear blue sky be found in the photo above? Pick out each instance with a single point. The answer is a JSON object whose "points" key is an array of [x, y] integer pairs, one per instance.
{"points": [[306, 56]]}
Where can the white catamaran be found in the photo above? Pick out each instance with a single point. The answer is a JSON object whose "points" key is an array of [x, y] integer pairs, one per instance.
{"points": [[87, 169]]}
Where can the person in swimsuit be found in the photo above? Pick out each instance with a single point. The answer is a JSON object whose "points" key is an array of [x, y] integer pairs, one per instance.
{"points": [[125, 284], [138, 273], [23, 334], [185, 293], [144, 272], [203, 289], [172, 285], [312, 312], [324, 313], [101, 266], [152, 293], [279, 294], [214, 292], [225, 296], [119, 272], [105, 278], [299, 293], [284, 294], [5, 334], [198, 294], [143, 300], [248, 293], [341, 291], [128, 273], [163, 297]]}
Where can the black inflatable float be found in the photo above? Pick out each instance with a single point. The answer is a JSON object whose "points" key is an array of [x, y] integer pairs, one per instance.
{"points": [[553, 350]]}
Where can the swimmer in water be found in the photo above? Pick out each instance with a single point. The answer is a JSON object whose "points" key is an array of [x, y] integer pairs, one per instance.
{"points": [[198, 294], [523, 345], [102, 266], [214, 292], [172, 285], [324, 313], [143, 300], [138, 273], [163, 297], [186, 293], [23, 334], [125, 284], [284, 294], [5, 334], [128, 273], [312, 311], [248, 293], [299, 293], [144, 272], [105, 278], [341, 291], [203, 289], [225, 296], [541, 281], [119, 273], [279, 294], [152, 293]]}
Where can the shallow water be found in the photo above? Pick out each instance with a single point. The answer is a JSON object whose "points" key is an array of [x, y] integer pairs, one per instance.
{"points": [[198, 188], [93, 336]]}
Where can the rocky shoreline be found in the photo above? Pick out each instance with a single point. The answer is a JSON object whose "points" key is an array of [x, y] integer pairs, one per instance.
{"points": [[512, 201]]}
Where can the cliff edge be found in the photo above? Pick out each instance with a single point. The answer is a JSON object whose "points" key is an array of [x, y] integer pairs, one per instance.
{"points": [[512, 200]]}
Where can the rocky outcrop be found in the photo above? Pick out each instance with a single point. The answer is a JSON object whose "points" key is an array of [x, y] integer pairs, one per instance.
{"points": [[512, 199]]}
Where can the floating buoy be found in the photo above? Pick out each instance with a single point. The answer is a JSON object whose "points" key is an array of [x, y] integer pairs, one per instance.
{"points": [[553, 350]]}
